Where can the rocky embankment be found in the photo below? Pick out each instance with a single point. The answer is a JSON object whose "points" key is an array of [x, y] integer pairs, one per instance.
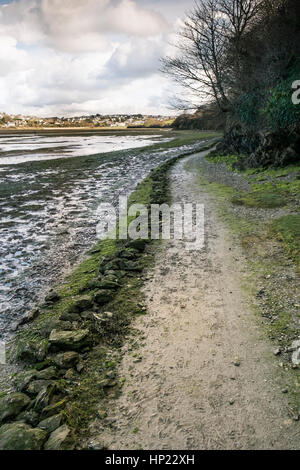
{"points": [[262, 149], [36, 408]]}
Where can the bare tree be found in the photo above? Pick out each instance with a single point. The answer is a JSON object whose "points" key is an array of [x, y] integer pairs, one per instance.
{"points": [[209, 47], [202, 44], [240, 15]]}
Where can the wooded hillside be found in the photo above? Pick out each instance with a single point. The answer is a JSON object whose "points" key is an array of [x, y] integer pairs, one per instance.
{"points": [[244, 57]]}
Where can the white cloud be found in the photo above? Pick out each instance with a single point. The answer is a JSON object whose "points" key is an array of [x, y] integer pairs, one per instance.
{"points": [[81, 56], [77, 25]]}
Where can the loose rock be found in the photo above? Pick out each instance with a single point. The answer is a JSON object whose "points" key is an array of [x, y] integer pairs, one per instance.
{"points": [[36, 386], [60, 439], [31, 351], [69, 316], [29, 317], [20, 436], [139, 244], [103, 296], [47, 374], [30, 417], [79, 305], [66, 360], [54, 409], [23, 379], [52, 297], [72, 340], [11, 405], [50, 424], [44, 396]]}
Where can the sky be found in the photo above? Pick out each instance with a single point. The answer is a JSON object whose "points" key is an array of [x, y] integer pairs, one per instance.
{"points": [[74, 57]]}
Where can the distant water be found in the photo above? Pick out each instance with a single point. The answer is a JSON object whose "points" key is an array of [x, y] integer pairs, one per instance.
{"points": [[48, 207], [20, 148]]}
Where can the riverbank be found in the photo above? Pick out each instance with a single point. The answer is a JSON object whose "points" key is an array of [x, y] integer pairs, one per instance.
{"points": [[65, 387], [48, 213]]}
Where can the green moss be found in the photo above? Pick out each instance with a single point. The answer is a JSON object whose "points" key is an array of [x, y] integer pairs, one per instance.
{"points": [[223, 191], [94, 386], [228, 160], [287, 230], [257, 174], [87, 270], [280, 327], [266, 261], [87, 395], [260, 199], [278, 172], [267, 189]]}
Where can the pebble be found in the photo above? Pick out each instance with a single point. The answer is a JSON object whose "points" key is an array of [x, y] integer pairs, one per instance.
{"points": [[95, 446]]}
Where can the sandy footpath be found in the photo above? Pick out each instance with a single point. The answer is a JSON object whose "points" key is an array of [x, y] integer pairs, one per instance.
{"points": [[204, 375]]}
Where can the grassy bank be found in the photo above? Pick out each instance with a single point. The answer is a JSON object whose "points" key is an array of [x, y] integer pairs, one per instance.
{"points": [[272, 189]]}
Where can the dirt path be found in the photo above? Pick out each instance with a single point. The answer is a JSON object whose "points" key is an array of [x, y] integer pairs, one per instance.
{"points": [[204, 376]]}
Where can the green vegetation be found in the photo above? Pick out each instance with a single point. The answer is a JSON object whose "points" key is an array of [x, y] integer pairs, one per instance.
{"points": [[251, 81], [84, 398], [272, 108], [279, 111], [271, 188], [228, 160], [287, 230], [261, 199], [271, 245], [247, 108]]}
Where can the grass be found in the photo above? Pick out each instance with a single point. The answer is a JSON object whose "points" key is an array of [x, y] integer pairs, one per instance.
{"points": [[277, 172], [228, 160], [259, 174], [272, 249], [269, 191], [287, 230], [260, 199]]}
